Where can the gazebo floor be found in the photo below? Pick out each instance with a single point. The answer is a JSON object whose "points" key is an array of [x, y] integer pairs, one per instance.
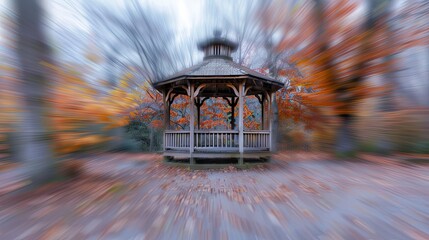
{"points": [[216, 157]]}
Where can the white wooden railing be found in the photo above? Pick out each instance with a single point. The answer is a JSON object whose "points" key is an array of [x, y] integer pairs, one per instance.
{"points": [[216, 140], [176, 140], [257, 140]]}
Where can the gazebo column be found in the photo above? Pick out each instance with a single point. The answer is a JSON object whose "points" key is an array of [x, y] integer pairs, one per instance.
{"points": [[262, 115], [269, 122], [241, 121], [191, 120]]}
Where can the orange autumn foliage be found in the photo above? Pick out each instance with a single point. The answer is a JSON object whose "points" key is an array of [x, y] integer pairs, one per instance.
{"points": [[332, 53]]}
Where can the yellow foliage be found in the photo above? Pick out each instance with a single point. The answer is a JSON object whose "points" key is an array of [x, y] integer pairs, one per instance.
{"points": [[77, 105]]}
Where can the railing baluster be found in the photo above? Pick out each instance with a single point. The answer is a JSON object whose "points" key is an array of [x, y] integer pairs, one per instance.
{"points": [[256, 140], [245, 138], [262, 140], [266, 140], [231, 139]]}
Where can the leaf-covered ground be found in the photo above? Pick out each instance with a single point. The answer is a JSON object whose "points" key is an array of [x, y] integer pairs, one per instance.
{"points": [[297, 196]]}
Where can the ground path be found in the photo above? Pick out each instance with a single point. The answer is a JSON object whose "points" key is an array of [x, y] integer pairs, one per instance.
{"points": [[124, 196]]}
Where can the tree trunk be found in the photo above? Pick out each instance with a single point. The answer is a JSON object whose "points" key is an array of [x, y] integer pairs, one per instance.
{"points": [[150, 139], [427, 76], [34, 139], [345, 142], [275, 126], [389, 78], [116, 133]]}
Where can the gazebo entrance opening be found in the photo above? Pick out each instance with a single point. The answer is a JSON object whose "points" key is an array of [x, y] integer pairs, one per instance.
{"points": [[218, 77]]}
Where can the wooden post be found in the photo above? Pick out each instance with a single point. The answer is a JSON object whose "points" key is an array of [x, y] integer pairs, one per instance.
{"points": [[166, 113], [269, 122], [261, 101], [233, 104], [198, 104], [192, 118], [262, 115], [241, 117]]}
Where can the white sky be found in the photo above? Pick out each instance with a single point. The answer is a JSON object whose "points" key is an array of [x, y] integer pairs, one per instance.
{"points": [[184, 12]]}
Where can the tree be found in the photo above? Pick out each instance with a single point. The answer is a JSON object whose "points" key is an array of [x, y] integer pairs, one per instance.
{"points": [[33, 132], [342, 53]]}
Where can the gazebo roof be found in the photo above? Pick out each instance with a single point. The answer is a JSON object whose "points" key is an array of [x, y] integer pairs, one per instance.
{"points": [[218, 67]]}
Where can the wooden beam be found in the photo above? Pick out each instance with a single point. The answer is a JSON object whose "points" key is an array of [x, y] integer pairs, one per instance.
{"points": [[197, 91], [192, 118], [199, 103], [246, 90], [234, 89], [186, 89], [198, 116], [232, 103], [166, 96], [262, 113], [241, 117], [170, 101]]}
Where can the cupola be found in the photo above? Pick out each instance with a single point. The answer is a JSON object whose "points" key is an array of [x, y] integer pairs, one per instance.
{"points": [[217, 47]]}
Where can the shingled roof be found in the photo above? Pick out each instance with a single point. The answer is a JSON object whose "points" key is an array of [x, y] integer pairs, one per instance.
{"points": [[218, 64], [217, 67]]}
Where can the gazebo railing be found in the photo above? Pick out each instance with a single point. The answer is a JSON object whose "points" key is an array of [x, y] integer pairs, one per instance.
{"points": [[214, 140], [179, 140], [257, 140], [219, 140]]}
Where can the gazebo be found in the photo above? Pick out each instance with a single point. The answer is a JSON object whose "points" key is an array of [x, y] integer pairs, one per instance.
{"points": [[218, 76]]}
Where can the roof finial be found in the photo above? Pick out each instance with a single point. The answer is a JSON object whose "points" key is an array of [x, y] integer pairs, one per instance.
{"points": [[217, 33]]}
